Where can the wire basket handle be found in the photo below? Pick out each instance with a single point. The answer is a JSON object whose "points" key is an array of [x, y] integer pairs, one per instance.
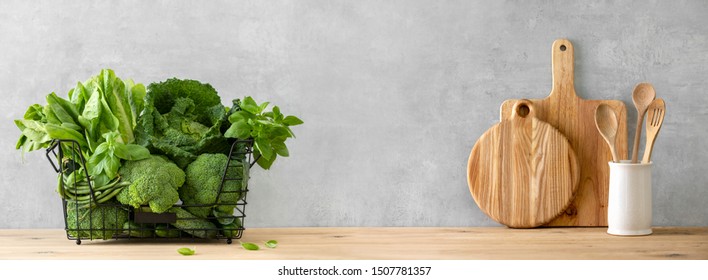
{"points": [[60, 167], [51, 154], [241, 150]]}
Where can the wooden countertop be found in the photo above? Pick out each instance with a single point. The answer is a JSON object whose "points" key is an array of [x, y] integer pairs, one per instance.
{"points": [[376, 244]]}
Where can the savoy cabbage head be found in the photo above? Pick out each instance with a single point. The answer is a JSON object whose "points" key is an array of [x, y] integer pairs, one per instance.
{"points": [[181, 120]]}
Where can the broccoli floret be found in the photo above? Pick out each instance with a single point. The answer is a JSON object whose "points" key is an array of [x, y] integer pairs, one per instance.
{"points": [[153, 181], [97, 222], [203, 185], [193, 225]]}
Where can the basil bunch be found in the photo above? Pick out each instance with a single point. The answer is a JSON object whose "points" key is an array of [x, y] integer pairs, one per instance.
{"points": [[269, 130]]}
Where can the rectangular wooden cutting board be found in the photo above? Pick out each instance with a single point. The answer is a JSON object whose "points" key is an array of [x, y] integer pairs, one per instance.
{"points": [[575, 118]]}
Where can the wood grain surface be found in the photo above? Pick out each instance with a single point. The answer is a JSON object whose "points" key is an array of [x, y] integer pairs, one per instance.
{"points": [[574, 117], [377, 244], [522, 172]]}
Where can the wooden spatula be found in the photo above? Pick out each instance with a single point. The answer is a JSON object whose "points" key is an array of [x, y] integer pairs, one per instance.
{"points": [[655, 117]]}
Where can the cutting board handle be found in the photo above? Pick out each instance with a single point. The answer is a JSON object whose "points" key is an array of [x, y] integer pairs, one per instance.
{"points": [[562, 64], [523, 108]]}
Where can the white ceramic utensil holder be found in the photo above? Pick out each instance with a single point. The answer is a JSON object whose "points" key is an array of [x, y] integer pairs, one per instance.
{"points": [[629, 208]]}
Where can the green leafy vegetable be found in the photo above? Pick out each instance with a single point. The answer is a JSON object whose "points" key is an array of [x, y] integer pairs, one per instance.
{"points": [[269, 130], [186, 251], [117, 96], [182, 119], [61, 132], [250, 246], [105, 162], [34, 135], [271, 244], [65, 111], [99, 115], [104, 105]]}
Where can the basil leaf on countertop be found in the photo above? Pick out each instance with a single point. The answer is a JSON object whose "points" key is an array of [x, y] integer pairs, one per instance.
{"points": [[186, 251], [249, 246]]}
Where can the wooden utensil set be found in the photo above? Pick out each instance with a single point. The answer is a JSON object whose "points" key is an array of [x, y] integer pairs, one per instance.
{"points": [[643, 98], [545, 163]]}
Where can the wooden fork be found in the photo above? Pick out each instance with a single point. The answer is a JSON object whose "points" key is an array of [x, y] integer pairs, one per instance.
{"points": [[655, 117]]}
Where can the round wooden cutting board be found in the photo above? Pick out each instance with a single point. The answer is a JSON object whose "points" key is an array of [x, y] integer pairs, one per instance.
{"points": [[522, 172]]}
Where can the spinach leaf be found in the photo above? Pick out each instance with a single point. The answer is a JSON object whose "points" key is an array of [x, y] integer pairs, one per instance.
{"points": [[33, 130], [59, 132], [64, 110], [131, 151], [35, 112]]}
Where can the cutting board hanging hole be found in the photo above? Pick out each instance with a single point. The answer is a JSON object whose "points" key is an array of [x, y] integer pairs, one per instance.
{"points": [[523, 109], [562, 48]]}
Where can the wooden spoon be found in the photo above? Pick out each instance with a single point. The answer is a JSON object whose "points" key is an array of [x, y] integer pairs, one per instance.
{"points": [[606, 122], [655, 117], [642, 96]]}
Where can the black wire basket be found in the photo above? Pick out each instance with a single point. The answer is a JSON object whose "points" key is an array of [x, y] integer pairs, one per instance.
{"points": [[113, 220]]}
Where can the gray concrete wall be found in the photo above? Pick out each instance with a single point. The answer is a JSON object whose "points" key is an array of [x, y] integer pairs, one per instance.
{"points": [[394, 93]]}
